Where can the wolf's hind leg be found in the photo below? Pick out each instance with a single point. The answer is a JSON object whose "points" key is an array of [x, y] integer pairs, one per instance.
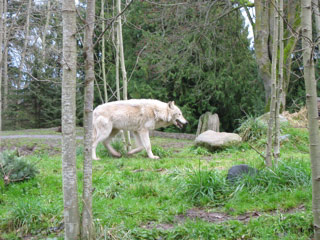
{"points": [[107, 144], [139, 147], [102, 129], [145, 140]]}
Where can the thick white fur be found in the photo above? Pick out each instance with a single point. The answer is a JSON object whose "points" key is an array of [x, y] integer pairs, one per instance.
{"points": [[136, 115]]}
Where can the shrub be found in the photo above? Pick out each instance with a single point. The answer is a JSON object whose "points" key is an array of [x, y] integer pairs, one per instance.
{"points": [[14, 168]]}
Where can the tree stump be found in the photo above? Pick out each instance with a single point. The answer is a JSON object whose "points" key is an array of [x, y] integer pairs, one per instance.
{"points": [[208, 121]]}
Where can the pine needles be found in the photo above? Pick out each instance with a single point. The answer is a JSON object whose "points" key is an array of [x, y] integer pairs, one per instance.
{"points": [[14, 168]]}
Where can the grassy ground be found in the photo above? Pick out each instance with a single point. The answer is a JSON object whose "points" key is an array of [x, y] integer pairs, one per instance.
{"points": [[183, 195]]}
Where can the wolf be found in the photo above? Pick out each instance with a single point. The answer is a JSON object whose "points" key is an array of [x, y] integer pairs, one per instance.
{"points": [[136, 115]]}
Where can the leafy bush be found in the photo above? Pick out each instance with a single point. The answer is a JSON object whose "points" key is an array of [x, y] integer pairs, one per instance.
{"points": [[14, 168]]}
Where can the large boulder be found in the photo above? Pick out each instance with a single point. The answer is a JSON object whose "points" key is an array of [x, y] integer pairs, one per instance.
{"points": [[212, 140], [208, 121]]}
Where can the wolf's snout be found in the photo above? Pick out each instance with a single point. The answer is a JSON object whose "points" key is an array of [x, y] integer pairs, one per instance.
{"points": [[180, 124]]}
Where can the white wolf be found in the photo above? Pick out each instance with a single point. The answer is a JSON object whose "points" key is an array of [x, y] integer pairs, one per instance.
{"points": [[136, 115]]}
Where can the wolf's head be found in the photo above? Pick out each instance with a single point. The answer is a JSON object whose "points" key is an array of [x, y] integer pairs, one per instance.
{"points": [[175, 115]]}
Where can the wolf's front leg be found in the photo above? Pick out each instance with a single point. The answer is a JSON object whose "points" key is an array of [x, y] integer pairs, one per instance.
{"points": [[145, 141]]}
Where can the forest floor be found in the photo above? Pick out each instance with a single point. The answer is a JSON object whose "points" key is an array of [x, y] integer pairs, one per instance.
{"points": [[183, 195]]}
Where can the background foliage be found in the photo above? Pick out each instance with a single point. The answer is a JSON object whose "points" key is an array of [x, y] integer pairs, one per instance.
{"points": [[197, 54]]}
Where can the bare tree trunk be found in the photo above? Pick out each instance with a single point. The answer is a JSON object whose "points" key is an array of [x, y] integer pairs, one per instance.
{"points": [[123, 68], [87, 222], [261, 44], [315, 7], [279, 87], [5, 60], [1, 58], [103, 51], [117, 47], [273, 86], [26, 40], [45, 32], [311, 98], [69, 174]]}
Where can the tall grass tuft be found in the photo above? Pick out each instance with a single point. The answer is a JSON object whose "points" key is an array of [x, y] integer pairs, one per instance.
{"points": [[251, 129], [211, 186], [288, 175], [203, 186], [161, 152], [31, 216]]}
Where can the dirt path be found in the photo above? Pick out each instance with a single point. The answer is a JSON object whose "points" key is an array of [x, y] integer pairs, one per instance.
{"points": [[152, 133], [35, 136], [218, 217]]}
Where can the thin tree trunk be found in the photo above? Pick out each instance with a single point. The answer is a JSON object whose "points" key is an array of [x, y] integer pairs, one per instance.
{"points": [[118, 60], [315, 7], [261, 45], [279, 87], [123, 68], [45, 32], [5, 61], [87, 222], [1, 58], [26, 40], [69, 174], [103, 51], [311, 99], [273, 87]]}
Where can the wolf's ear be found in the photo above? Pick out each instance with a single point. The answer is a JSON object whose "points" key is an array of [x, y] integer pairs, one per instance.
{"points": [[171, 104]]}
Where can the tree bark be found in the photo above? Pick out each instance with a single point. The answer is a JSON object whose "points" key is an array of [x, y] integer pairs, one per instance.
{"points": [[315, 7], [261, 44], [69, 174], [279, 87], [273, 86], [87, 222], [44, 34], [26, 40], [5, 60], [123, 70], [1, 58], [117, 47], [311, 99], [103, 54]]}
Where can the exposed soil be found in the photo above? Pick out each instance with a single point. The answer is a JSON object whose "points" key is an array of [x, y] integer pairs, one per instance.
{"points": [[217, 217], [173, 135], [52, 143]]}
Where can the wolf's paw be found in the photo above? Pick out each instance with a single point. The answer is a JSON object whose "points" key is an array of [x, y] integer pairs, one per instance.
{"points": [[117, 155], [155, 157], [95, 158]]}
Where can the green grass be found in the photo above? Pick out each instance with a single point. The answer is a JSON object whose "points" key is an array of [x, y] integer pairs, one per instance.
{"points": [[134, 196]]}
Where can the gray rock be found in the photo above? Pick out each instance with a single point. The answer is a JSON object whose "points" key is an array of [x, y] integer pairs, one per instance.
{"points": [[208, 121], [264, 119], [284, 138], [237, 171], [212, 139]]}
